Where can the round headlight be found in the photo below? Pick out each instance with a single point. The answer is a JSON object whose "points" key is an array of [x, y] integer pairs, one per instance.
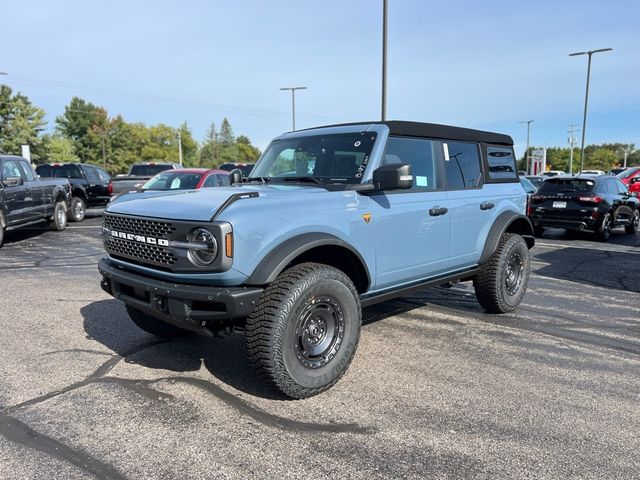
{"points": [[205, 248]]}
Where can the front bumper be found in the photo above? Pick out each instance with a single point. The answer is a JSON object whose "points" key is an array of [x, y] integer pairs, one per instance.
{"points": [[191, 307]]}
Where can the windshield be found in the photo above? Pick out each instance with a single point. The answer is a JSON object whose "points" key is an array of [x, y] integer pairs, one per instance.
{"points": [[628, 173], [149, 170], [336, 158], [173, 181], [569, 185]]}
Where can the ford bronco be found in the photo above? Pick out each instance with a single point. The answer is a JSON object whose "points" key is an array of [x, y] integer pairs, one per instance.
{"points": [[331, 219]]}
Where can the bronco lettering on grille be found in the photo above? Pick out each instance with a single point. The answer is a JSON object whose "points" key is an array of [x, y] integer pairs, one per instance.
{"points": [[140, 238]]}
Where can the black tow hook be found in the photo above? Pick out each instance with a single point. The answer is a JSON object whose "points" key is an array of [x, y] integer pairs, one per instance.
{"points": [[105, 283]]}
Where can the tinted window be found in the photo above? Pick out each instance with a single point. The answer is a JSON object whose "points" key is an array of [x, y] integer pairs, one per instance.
{"points": [[211, 181], [462, 165], [620, 187], [66, 171], [173, 180], [224, 180], [91, 174], [501, 163], [149, 170], [245, 168], [570, 185], [629, 172], [10, 169], [43, 170], [104, 176], [419, 153], [27, 171]]}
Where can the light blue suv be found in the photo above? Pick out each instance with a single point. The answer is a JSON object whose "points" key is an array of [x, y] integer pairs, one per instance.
{"points": [[330, 220]]}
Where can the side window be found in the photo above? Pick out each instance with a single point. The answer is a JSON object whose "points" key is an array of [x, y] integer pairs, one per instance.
{"points": [[621, 187], [501, 163], [10, 169], [211, 181], [420, 154], [91, 174], [44, 170], [224, 180], [27, 171], [462, 165], [104, 176]]}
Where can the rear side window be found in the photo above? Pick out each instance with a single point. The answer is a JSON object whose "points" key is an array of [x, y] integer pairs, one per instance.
{"points": [[462, 165], [419, 153], [92, 175], [43, 170], [104, 176], [502, 164], [554, 186]]}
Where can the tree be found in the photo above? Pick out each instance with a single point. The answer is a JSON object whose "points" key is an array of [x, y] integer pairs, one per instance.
{"points": [[226, 137], [247, 153], [21, 123], [78, 120], [59, 150]]}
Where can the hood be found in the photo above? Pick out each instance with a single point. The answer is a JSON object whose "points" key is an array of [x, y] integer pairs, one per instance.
{"points": [[197, 205]]}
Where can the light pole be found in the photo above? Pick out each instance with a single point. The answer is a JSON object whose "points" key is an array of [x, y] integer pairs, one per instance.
{"points": [[528, 122], [384, 60], [572, 144], [293, 103], [180, 146], [626, 151], [586, 97]]}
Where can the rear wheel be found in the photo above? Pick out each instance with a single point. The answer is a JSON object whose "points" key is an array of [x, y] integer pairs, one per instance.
{"points": [[634, 224], [603, 232], [78, 209], [154, 326], [502, 281], [304, 332], [59, 219]]}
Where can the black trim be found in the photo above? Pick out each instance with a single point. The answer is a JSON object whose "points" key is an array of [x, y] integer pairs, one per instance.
{"points": [[281, 256], [484, 147], [233, 198], [389, 294], [498, 228]]}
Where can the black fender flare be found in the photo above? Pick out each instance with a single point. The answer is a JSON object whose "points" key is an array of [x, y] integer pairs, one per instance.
{"points": [[282, 255], [522, 225]]}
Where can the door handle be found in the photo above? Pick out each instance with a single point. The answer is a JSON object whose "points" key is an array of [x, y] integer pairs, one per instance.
{"points": [[435, 212], [486, 206]]}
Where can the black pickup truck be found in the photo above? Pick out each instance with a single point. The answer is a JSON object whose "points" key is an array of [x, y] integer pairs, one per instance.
{"points": [[89, 183], [27, 199]]}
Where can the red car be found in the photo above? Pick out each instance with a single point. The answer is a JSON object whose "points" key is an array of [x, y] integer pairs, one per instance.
{"points": [[631, 178]]}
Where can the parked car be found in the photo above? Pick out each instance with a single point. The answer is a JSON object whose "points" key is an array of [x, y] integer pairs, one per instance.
{"points": [[139, 173], [591, 203], [552, 173], [181, 179], [631, 178], [89, 184], [245, 168], [617, 170], [373, 211], [26, 199], [592, 172], [536, 180]]}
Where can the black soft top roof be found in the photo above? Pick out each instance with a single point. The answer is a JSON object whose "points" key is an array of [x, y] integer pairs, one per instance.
{"points": [[434, 130]]}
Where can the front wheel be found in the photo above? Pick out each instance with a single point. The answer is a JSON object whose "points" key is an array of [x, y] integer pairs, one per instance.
{"points": [[59, 219], [305, 329], [502, 281], [634, 223], [78, 209]]}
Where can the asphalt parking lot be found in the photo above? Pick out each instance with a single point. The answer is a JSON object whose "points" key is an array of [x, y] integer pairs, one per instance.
{"points": [[438, 388]]}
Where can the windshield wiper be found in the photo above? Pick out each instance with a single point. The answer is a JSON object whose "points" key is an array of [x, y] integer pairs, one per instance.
{"points": [[315, 180]]}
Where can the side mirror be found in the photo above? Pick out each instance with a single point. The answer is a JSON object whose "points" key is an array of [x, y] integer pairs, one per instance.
{"points": [[393, 177], [634, 180], [12, 181], [235, 176]]}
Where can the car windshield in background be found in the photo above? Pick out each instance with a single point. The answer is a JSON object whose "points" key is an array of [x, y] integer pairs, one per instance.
{"points": [[337, 158], [173, 181], [148, 170], [66, 171], [245, 169], [555, 186], [628, 173]]}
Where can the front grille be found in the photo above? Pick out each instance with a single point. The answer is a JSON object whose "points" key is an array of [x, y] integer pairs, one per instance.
{"points": [[136, 250]]}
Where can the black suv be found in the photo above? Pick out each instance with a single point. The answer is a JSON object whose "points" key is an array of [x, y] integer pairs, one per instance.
{"points": [[90, 185], [591, 203]]}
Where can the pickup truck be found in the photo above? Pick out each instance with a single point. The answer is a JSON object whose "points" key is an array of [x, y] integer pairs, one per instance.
{"points": [[26, 199], [89, 184], [138, 175], [330, 220]]}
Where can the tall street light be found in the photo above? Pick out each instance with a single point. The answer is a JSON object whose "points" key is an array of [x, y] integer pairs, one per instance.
{"points": [[293, 102], [528, 122], [384, 60], [586, 97]]}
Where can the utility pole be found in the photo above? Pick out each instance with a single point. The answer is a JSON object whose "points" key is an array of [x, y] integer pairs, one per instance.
{"points": [[572, 143], [528, 122], [180, 146], [384, 60], [626, 152], [293, 103], [586, 97]]}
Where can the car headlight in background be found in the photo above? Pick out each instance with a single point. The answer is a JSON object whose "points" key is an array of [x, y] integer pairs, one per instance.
{"points": [[203, 247]]}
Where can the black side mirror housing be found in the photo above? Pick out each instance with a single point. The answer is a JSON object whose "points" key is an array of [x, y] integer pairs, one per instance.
{"points": [[635, 180], [12, 181], [235, 176], [393, 177]]}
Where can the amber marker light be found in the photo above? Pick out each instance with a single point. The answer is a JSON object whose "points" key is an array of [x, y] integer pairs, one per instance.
{"points": [[228, 243]]}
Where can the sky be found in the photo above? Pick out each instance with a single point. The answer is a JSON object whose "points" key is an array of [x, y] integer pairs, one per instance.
{"points": [[486, 65]]}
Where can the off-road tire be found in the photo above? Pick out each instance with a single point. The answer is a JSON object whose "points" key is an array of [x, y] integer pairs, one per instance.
{"points": [[78, 209], [153, 325], [635, 223], [276, 335], [58, 221], [496, 290], [603, 232]]}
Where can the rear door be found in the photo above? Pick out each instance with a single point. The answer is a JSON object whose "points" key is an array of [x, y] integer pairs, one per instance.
{"points": [[412, 226], [17, 197]]}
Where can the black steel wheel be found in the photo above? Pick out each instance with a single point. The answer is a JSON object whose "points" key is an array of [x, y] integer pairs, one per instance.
{"points": [[304, 331]]}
